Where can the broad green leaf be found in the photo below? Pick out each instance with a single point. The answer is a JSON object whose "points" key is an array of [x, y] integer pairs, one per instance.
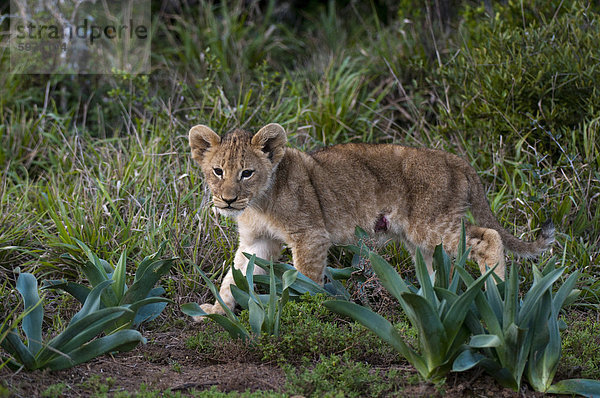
{"points": [[425, 280], [442, 266], [502, 375], [303, 283], [341, 273], [13, 344], [76, 290], [119, 277], [484, 340], [92, 302], [235, 329], [135, 307], [466, 360], [151, 311], [80, 332], [272, 299], [289, 277], [584, 387], [93, 268], [511, 298], [32, 322], [250, 273], [239, 279], [534, 294], [381, 327], [240, 296], [455, 316], [564, 292], [388, 276], [516, 351], [140, 288], [256, 317], [432, 336], [121, 341], [149, 260], [214, 291], [483, 306]]}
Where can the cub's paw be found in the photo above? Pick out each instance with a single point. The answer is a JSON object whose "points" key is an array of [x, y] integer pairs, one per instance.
{"points": [[209, 309]]}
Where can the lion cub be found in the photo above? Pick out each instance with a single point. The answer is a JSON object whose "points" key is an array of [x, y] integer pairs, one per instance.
{"points": [[312, 201]]}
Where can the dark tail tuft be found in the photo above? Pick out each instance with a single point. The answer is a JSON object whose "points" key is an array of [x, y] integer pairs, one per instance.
{"points": [[548, 231]]}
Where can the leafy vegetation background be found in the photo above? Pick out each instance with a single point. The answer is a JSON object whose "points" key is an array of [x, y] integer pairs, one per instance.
{"points": [[511, 86]]}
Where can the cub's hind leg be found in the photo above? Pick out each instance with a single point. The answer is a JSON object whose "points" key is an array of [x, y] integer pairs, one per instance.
{"points": [[487, 249], [268, 249]]}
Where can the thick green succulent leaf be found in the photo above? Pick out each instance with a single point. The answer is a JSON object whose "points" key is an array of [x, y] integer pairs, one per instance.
{"points": [[516, 351], [564, 293], [152, 310], [239, 279], [14, 346], [149, 260], [341, 273], [511, 298], [531, 300], [80, 332], [93, 269], [123, 340], [381, 327], [432, 335], [235, 329], [146, 281], [119, 277], [388, 276], [454, 318], [152, 307], [256, 315], [303, 283], [442, 266], [467, 360], [76, 290], [583, 387], [484, 341], [289, 278], [271, 309], [241, 297], [32, 322], [425, 280], [490, 318], [92, 302]]}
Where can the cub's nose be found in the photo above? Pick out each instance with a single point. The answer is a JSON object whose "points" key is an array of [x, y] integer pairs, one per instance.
{"points": [[229, 201]]}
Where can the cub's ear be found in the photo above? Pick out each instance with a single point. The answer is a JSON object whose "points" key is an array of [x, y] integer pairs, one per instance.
{"points": [[271, 139], [201, 138]]}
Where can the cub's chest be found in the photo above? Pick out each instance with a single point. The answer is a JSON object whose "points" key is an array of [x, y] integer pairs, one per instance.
{"points": [[255, 224]]}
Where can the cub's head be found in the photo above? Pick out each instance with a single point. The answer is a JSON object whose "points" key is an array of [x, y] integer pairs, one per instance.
{"points": [[238, 166]]}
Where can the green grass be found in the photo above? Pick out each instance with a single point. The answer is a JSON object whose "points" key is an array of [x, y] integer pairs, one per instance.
{"points": [[105, 159]]}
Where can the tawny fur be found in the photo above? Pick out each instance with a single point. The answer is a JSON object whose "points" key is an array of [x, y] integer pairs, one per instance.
{"points": [[313, 201]]}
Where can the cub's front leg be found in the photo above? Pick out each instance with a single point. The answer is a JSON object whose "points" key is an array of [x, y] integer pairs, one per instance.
{"points": [[263, 248], [309, 253]]}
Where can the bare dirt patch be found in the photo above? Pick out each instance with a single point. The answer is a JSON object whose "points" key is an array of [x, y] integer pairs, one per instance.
{"points": [[164, 363]]}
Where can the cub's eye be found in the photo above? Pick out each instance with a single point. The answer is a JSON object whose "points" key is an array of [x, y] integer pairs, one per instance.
{"points": [[247, 173], [218, 172]]}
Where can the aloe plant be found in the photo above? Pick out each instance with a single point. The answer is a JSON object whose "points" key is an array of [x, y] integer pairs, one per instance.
{"points": [[230, 322], [303, 284], [264, 310], [264, 315], [522, 337], [74, 345], [437, 310], [142, 298]]}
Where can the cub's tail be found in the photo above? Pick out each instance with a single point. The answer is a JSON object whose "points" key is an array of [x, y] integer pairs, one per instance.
{"points": [[480, 208]]}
